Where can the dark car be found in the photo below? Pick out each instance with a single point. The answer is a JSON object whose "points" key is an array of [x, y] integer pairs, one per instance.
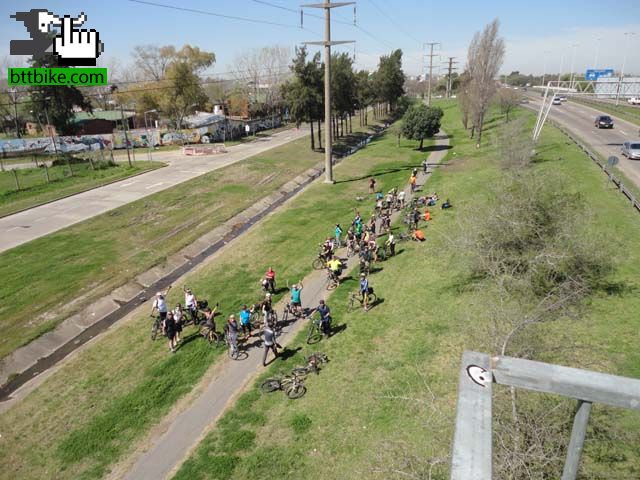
{"points": [[604, 121]]}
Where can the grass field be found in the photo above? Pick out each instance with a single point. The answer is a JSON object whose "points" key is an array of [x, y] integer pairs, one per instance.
{"points": [[90, 259], [35, 190], [384, 406], [85, 417]]}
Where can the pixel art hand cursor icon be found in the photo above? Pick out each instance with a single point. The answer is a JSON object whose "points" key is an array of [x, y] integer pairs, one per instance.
{"points": [[76, 47]]}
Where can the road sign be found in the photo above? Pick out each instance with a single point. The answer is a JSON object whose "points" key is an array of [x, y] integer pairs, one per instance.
{"points": [[593, 74], [247, 128], [612, 161]]}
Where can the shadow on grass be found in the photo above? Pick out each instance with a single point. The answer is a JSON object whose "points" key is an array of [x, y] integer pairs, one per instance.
{"points": [[338, 329]]}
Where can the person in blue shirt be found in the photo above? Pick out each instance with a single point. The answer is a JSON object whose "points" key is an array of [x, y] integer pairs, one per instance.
{"points": [[364, 291], [325, 317], [245, 321], [338, 233], [296, 299]]}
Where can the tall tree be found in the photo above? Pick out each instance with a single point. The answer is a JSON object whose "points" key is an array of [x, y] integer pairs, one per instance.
{"points": [[343, 86], [389, 79], [484, 59]]}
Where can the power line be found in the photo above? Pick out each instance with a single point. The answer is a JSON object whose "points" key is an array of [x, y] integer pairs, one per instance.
{"points": [[398, 26], [215, 14]]}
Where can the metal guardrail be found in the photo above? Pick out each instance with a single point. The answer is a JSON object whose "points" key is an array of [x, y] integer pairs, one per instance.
{"points": [[612, 106], [635, 203]]}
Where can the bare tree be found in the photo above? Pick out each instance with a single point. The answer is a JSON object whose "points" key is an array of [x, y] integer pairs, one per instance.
{"points": [[484, 59], [152, 61], [507, 100], [514, 146], [261, 72]]}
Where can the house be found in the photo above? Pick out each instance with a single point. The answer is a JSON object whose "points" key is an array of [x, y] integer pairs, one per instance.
{"points": [[104, 121]]}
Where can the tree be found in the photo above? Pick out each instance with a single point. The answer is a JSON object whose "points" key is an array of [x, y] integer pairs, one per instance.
{"points": [[183, 92], [389, 79], [420, 122], [508, 100], [343, 86], [364, 94], [484, 59], [57, 102], [303, 94], [153, 60]]}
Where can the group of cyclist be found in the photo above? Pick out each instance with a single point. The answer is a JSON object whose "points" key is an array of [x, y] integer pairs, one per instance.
{"points": [[360, 238]]}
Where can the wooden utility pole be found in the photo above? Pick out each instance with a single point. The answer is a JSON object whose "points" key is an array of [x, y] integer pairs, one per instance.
{"points": [[327, 43], [430, 55], [451, 69]]}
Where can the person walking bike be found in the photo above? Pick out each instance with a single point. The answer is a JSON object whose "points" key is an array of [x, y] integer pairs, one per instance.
{"points": [[364, 291], [270, 342], [391, 244], [325, 317], [191, 304]]}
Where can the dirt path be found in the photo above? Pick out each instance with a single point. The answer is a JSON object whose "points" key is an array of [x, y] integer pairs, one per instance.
{"points": [[168, 446]]}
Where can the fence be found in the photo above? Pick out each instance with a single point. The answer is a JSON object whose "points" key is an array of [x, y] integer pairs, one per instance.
{"points": [[473, 439]]}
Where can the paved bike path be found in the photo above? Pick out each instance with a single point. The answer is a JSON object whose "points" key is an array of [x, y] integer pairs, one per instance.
{"points": [[36, 222], [167, 452]]}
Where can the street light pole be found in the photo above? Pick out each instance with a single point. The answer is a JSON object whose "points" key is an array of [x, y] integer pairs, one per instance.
{"points": [[53, 140], [573, 57], [595, 60], [544, 66], [146, 126], [627, 36]]}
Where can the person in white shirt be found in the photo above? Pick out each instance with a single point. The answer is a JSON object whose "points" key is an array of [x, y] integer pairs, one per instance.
{"points": [[160, 306], [401, 196], [191, 304]]}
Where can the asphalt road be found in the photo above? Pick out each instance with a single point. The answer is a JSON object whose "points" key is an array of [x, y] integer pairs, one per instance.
{"points": [[579, 119], [39, 221]]}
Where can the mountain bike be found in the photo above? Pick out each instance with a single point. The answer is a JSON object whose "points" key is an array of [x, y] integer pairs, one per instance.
{"points": [[319, 263], [313, 365], [355, 300], [213, 337], [155, 326], [291, 385], [314, 333], [333, 280]]}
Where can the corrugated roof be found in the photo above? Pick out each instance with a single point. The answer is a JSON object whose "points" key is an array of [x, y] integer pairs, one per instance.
{"points": [[111, 115]]}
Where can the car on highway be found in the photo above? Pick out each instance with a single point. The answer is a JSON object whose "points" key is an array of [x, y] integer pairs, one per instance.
{"points": [[603, 121], [631, 150], [556, 101], [563, 98], [634, 101]]}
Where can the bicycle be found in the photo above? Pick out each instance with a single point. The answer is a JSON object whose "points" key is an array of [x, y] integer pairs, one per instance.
{"points": [[291, 385], [234, 350], [319, 263], [357, 297], [213, 337], [333, 280], [312, 366], [382, 253], [155, 326], [314, 334]]}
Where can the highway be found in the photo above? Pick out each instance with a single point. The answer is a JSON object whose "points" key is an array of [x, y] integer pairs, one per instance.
{"points": [[579, 119]]}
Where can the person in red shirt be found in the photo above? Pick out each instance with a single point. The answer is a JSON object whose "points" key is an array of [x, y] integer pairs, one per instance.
{"points": [[270, 278], [427, 215], [418, 236]]}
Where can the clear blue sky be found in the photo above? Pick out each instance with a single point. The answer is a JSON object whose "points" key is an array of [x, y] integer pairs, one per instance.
{"points": [[529, 28]]}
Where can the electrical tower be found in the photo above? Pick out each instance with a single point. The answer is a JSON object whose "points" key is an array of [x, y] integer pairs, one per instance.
{"points": [[451, 68], [430, 55], [327, 43]]}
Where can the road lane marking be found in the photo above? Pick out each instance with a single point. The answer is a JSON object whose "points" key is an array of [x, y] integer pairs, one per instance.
{"points": [[39, 219], [154, 185], [622, 132], [12, 229], [129, 183]]}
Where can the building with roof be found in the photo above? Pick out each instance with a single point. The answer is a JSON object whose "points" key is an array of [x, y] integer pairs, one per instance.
{"points": [[101, 121]]}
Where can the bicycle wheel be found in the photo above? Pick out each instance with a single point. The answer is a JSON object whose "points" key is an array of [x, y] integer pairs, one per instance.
{"points": [[154, 329], [234, 352], [296, 391], [351, 304], [372, 299], [270, 385], [318, 264], [314, 335], [332, 284], [300, 371], [213, 338]]}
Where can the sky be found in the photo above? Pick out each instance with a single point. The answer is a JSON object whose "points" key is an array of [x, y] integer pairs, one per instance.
{"points": [[539, 35]]}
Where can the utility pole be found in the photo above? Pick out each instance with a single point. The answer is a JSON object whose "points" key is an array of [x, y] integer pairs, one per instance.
{"points": [[430, 55], [627, 35], [327, 43], [544, 66], [450, 71], [573, 57]]}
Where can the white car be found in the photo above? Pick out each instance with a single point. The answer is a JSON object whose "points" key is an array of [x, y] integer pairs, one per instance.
{"points": [[634, 101], [631, 150], [556, 101]]}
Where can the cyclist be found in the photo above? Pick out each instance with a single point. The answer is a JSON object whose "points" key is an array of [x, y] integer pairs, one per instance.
{"points": [[266, 307], [325, 317], [418, 236], [209, 319], [170, 330], [364, 291], [338, 233], [415, 218], [372, 224], [427, 215], [296, 299], [270, 342], [231, 329], [160, 305], [335, 269], [358, 231], [391, 243], [326, 249], [372, 185], [425, 166], [412, 181], [401, 198], [270, 279], [385, 223], [357, 219], [191, 304], [245, 321]]}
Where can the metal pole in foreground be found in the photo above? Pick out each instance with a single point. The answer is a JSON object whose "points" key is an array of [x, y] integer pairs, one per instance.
{"points": [[627, 35], [327, 6], [126, 137], [578, 432]]}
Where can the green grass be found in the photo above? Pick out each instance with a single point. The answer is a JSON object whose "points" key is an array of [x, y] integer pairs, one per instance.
{"points": [[624, 111], [386, 400], [67, 269], [35, 190], [85, 417]]}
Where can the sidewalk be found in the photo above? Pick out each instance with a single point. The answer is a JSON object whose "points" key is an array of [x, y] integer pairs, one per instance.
{"points": [[25, 226], [166, 453]]}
